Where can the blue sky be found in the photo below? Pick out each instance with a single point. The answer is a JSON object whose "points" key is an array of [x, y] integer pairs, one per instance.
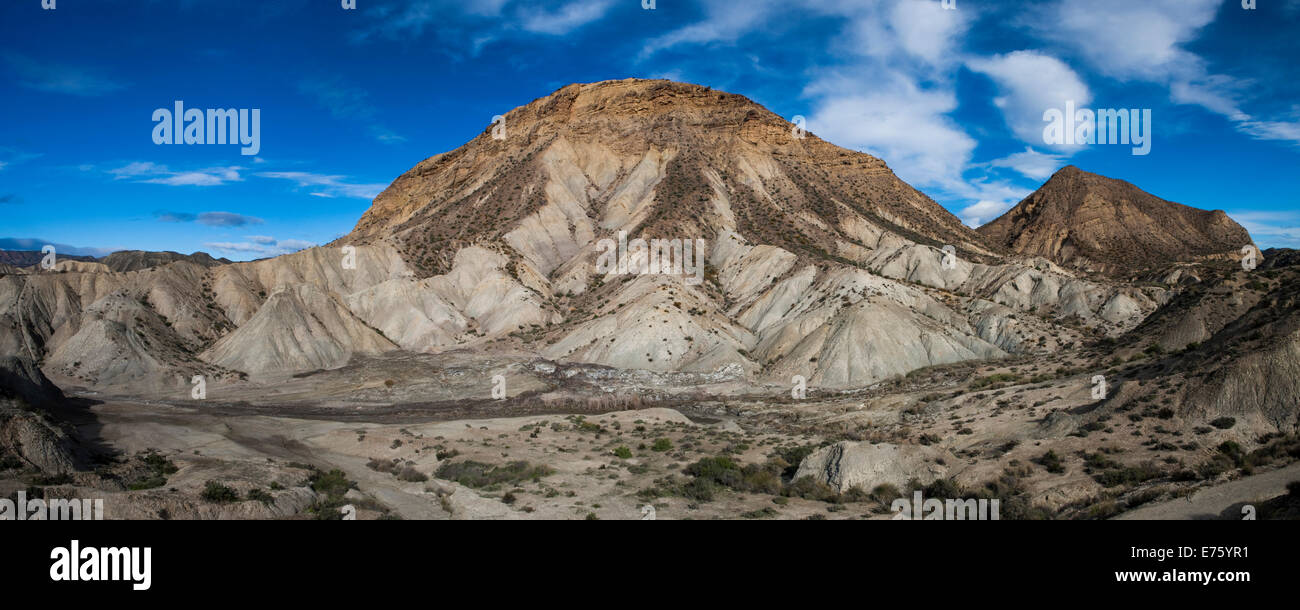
{"points": [[349, 99]]}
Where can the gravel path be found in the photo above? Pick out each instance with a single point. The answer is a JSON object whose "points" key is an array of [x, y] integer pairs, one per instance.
{"points": [[1210, 502]]}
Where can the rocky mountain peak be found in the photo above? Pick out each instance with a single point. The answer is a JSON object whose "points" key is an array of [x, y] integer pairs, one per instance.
{"points": [[649, 157], [1088, 221]]}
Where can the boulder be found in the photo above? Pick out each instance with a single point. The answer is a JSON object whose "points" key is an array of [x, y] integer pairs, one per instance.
{"points": [[848, 464]]}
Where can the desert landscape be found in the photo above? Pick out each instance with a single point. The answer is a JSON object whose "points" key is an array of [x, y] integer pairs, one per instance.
{"points": [[1096, 352]]}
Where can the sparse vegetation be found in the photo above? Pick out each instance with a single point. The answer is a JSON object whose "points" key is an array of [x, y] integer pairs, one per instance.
{"points": [[487, 476], [218, 493]]}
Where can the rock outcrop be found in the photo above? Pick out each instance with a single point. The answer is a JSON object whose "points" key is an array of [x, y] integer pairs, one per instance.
{"points": [[849, 464], [27, 433]]}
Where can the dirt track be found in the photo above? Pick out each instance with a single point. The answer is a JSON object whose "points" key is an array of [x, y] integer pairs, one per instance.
{"points": [[1212, 502]]}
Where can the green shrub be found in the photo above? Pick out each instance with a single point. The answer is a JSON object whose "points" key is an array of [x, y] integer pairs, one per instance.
{"points": [[261, 496], [1052, 462], [332, 483], [152, 481], [410, 474], [480, 475], [809, 488], [1224, 423], [1128, 475], [331, 486], [219, 494], [886, 493], [791, 456], [158, 468], [724, 472]]}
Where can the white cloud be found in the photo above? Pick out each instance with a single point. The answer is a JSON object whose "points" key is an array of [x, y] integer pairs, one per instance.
{"points": [[1145, 41], [478, 22], [567, 18], [894, 96], [1131, 40], [983, 212], [896, 120], [922, 30], [893, 91], [1215, 93], [1031, 163], [261, 245], [1029, 84], [147, 172], [1271, 130], [886, 29], [328, 186], [726, 21], [1271, 229]]}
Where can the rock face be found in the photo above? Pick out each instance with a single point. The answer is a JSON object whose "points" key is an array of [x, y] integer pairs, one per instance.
{"points": [[1091, 222], [298, 327], [27, 433], [1262, 388], [849, 464], [21, 378]]}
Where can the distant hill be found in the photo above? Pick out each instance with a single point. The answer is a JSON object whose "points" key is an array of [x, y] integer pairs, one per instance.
{"points": [[1091, 222], [135, 260], [27, 258]]}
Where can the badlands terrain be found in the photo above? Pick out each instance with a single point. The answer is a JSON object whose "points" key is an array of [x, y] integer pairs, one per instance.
{"points": [[1096, 352]]}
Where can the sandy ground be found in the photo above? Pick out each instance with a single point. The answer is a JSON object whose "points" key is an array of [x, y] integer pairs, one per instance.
{"points": [[587, 478]]}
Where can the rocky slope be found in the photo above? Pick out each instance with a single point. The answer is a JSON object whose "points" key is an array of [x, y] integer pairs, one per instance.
{"points": [[28, 435], [1094, 223]]}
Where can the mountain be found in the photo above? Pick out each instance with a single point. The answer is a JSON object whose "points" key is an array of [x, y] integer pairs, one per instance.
{"points": [[649, 157], [1094, 223], [814, 262], [14, 261], [821, 261], [992, 360], [27, 258], [135, 260]]}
